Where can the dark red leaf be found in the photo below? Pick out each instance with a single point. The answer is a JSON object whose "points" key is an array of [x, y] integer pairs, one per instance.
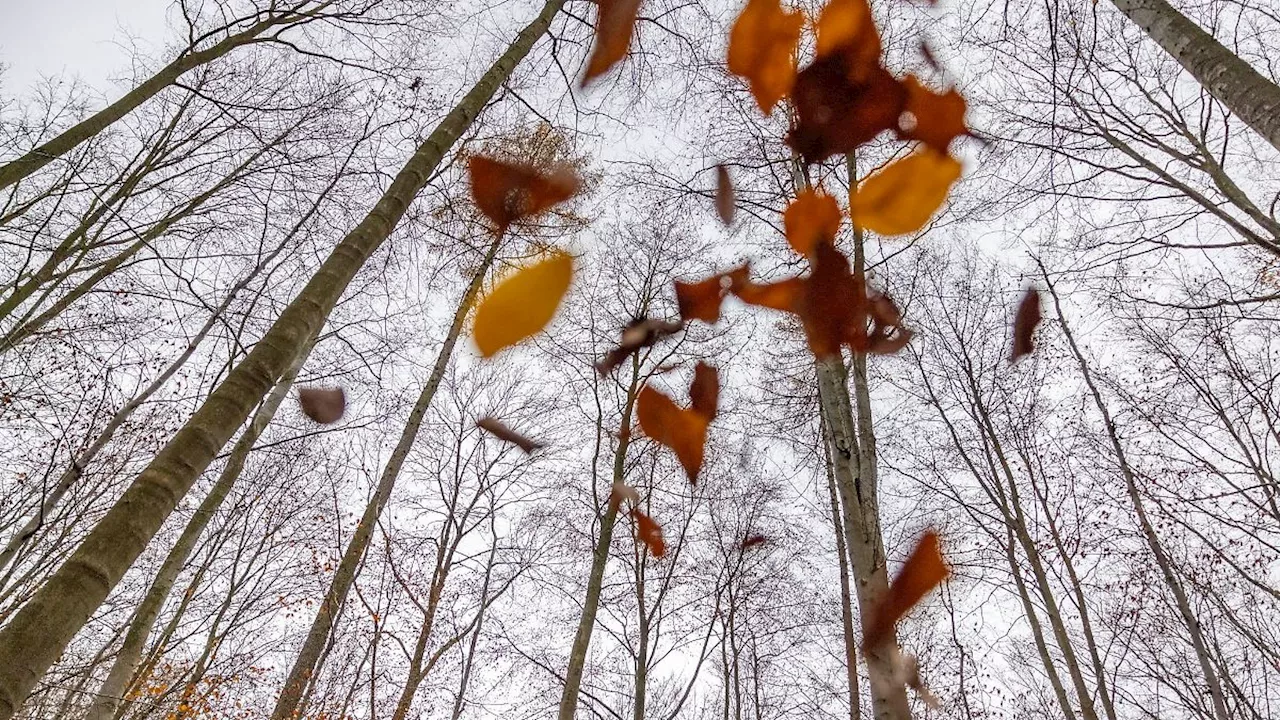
{"points": [[495, 428], [507, 192], [704, 391], [753, 541], [323, 405], [615, 24], [922, 572], [1024, 324], [835, 115]]}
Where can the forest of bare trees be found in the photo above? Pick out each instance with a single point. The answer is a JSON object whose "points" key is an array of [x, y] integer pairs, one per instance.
{"points": [[285, 431]]}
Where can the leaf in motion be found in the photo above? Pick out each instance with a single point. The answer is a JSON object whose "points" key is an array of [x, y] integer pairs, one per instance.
{"points": [[1024, 324], [650, 533], [835, 114], [684, 431], [937, 118], [846, 27], [833, 308], [701, 300], [615, 24], [762, 46], [496, 428], [811, 218], [639, 333], [920, 574], [522, 304], [902, 196], [725, 196], [323, 405], [622, 491], [507, 192], [782, 295], [753, 541]]}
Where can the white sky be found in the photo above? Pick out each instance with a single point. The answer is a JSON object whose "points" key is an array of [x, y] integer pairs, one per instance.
{"points": [[79, 38]]}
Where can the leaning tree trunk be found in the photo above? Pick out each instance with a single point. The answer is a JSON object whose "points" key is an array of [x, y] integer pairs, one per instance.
{"points": [[1246, 93], [109, 695], [305, 665], [599, 559], [40, 631], [19, 168]]}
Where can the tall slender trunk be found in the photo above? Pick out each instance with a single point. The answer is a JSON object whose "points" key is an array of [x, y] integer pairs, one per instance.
{"points": [[846, 592], [305, 665], [1167, 571], [40, 631], [36, 158], [599, 558], [1246, 93], [111, 692]]}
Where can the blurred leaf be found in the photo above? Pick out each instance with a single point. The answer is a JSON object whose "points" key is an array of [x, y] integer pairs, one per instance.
{"points": [[615, 24], [902, 196], [684, 431], [323, 405], [811, 218], [939, 117], [522, 304], [920, 574], [1025, 321], [650, 533], [762, 47], [724, 195], [496, 428], [507, 192]]}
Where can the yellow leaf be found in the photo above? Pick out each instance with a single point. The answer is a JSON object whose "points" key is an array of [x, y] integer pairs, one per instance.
{"points": [[902, 196], [522, 304]]}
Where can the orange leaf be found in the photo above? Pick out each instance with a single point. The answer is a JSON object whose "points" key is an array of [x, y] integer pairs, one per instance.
{"points": [[939, 117], [846, 27], [1024, 324], [615, 24], [902, 196], [762, 46], [323, 405], [522, 304], [496, 428], [835, 114], [650, 533], [704, 391], [811, 218], [920, 574], [701, 300], [782, 295], [507, 192], [684, 431], [724, 195]]}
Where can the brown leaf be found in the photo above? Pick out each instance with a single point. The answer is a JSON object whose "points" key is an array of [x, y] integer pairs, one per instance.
{"points": [[650, 533], [507, 192], [704, 391], [834, 114], [939, 117], [639, 333], [762, 46], [833, 308], [701, 300], [813, 217], [1024, 324], [495, 428], [753, 541], [615, 24], [922, 572], [684, 431], [725, 195], [323, 405]]}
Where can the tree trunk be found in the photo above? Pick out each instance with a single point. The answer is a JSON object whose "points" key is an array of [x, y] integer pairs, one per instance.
{"points": [[846, 593], [305, 666], [599, 558], [111, 692], [39, 632], [16, 170], [1246, 93]]}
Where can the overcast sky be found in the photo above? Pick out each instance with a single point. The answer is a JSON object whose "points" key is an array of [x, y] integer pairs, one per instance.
{"points": [[85, 38]]}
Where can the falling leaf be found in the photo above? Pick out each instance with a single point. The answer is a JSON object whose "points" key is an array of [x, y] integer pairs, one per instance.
{"points": [[323, 405], [834, 114], [901, 197], [921, 573], [762, 46], [622, 491], [522, 304], [701, 300], [937, 118], [782, 295], [650, 533], [811, 218], [846, 27], [684, 431], [724, 195], [910, 670], [615, 24], [639, 333], [495, 428], [1024, 324], [507, 192], [753, 541]]}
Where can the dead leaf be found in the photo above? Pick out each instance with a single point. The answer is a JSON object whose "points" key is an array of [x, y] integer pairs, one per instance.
{"points": [[725, 195], [902, 196], [650, 533], [762, 47], [811, 218], [938, 118], [846, 27], [753, 541], [701, 300], [684, 431], [615, 24], [507, 192], [922, 572], [496, 428], [523, 304], [1024, 324], [622, 491], [323, 405], [834, 114], [782, 295], [639, 333]]}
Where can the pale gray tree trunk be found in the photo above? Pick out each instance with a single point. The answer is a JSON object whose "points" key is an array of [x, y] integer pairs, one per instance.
{"points": [[40, 631], [846, 593], [305, 665], [1246, 93]]}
